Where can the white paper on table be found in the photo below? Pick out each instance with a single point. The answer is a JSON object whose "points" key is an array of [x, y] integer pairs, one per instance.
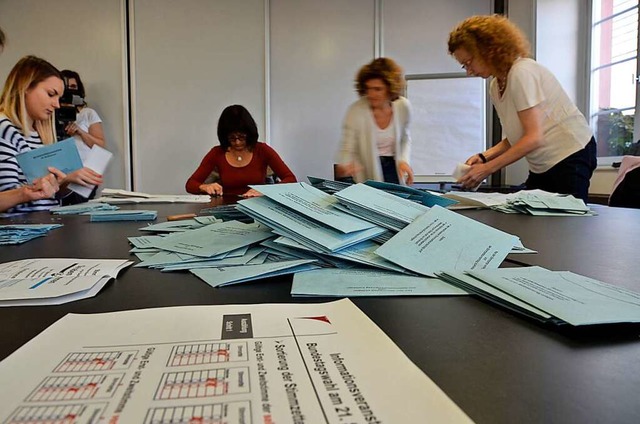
{"points": [[232, 363], [97, 160]]}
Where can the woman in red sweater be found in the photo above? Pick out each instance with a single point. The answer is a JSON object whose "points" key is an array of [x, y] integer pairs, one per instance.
{"points": [[240, 160]]}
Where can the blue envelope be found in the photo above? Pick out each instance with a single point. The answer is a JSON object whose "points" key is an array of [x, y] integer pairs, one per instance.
{"points": [[62, 155]]}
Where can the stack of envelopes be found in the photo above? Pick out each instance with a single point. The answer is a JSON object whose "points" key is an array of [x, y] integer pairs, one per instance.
{"points": [[425, 197], [226, 213], [557, 297], [378, 206], [307, 215], [219, 253], [82, 208], [126, 215], [542, 203], [327, 186], [21, 233]]}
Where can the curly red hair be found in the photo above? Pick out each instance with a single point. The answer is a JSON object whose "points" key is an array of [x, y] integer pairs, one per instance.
{"points": [[498, 41], [385, 69]]}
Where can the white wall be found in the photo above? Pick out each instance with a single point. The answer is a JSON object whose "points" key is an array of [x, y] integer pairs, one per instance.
{"points": [[192, 59], [85, 36]]}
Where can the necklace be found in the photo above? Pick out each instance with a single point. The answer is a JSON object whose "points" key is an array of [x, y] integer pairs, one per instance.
{"points": [[239, 158]]}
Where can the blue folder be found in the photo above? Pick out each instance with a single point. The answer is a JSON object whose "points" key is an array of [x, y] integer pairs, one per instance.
{"points": [[62, 155]]}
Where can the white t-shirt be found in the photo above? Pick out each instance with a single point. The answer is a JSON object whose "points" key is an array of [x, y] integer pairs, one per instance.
{"points": [[386, 139], [565, 130], [84, 119]]}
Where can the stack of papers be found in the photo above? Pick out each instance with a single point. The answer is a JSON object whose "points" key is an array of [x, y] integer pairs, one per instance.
{"points": [[82, 208], [219, 253], [34, 282], [123, 196], [558, 297], [307, 215], [542, 203], [427, 198], [21, 233], [226, 213], [366, 282], [327, 186], [128, 215], [530, 202], [377, 206]]}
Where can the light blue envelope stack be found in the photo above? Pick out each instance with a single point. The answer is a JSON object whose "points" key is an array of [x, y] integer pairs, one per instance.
{"points": [[21, 233], [126, 215]]}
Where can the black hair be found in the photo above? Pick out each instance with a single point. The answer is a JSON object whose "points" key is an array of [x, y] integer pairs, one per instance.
{"points": [[67, 75], [236, 118]]}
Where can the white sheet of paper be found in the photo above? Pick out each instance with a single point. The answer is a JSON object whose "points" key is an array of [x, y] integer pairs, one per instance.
{"points": [[233, 363], [97, 160]]}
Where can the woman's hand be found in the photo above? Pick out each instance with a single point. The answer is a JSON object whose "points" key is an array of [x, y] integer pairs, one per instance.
{"points": [[213, 189], [344, 170], [42, 188], [85, 177], [473, 160], [251, 193], [405, 171], [72, 129], [474, 176]]}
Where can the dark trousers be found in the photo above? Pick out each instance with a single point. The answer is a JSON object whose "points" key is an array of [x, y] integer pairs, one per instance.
{"points": [[569, 176], [389, 171]]}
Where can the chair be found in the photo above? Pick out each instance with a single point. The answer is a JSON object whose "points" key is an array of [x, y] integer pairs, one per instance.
{"points": [[626, 189]]}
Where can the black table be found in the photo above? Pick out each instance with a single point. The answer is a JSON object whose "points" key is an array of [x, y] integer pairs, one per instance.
{"points": [[498, 367]]}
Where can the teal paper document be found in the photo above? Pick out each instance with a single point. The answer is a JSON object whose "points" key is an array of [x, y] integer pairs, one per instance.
{"points": [[365, 282], [442, 240], [313, 234], [314, 204], [573, 298], [380, 206], [62, 155], [217, 277], [213, 239]]}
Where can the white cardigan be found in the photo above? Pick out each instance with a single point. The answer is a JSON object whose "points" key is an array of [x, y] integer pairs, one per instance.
{"points": [[358, 138]]}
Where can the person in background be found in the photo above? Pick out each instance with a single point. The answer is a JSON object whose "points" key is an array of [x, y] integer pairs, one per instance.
{"points": [[375, 133], [87, 128], [29, 98], [539, 121], [240, 160]]}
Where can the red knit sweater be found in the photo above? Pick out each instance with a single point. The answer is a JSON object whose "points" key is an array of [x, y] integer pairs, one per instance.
{"points": [[235, 181]]}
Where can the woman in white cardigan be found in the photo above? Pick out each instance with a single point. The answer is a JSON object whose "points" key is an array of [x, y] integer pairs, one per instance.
{"points": [[375, 132]]}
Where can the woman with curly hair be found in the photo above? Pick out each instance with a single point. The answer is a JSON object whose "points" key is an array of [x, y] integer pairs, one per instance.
{"points": [[375, 131], [539, 121]]}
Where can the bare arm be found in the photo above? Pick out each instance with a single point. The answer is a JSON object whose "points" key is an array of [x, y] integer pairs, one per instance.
{"points": [[95, 135], [531, 139]]}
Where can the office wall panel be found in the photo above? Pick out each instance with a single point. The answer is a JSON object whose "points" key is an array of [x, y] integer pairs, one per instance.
{"points": [[415, 32], [192, 59], [316, 50], [85, 36]]}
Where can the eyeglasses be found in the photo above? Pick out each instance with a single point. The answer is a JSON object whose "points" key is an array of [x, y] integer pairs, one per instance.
{"points": [[467, 63], [237, 136]]}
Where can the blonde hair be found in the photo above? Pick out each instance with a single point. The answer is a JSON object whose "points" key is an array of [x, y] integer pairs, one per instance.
{"points": [[385, 69], [498, 41], [25, 75]]}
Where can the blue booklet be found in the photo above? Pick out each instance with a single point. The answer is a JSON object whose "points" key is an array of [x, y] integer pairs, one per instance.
{"points": [[62, 155]]}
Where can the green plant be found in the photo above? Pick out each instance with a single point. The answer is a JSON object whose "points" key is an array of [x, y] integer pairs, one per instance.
{"points": [[620, 138]]}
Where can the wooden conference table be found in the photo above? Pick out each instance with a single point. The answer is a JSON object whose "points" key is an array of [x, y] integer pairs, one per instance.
{"points": [[498, 367]]}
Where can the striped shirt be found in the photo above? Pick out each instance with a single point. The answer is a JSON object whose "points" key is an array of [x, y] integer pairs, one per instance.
{"points": [[13, 142]]}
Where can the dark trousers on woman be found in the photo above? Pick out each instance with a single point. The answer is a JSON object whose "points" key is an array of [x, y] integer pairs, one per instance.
{"points": [[569, 176], [389, 171]]}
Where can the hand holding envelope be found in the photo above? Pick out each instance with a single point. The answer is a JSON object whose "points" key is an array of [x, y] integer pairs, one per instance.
{"points": [[460, 171]]}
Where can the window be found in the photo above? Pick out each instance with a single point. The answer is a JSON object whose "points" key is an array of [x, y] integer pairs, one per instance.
{"points": [[614, 76]]}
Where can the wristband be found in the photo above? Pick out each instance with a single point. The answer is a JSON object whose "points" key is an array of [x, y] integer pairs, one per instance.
{"points": [[482, 158]]}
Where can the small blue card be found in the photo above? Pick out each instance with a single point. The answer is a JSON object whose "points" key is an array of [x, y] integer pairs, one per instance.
{"points": [[62, 155]]}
